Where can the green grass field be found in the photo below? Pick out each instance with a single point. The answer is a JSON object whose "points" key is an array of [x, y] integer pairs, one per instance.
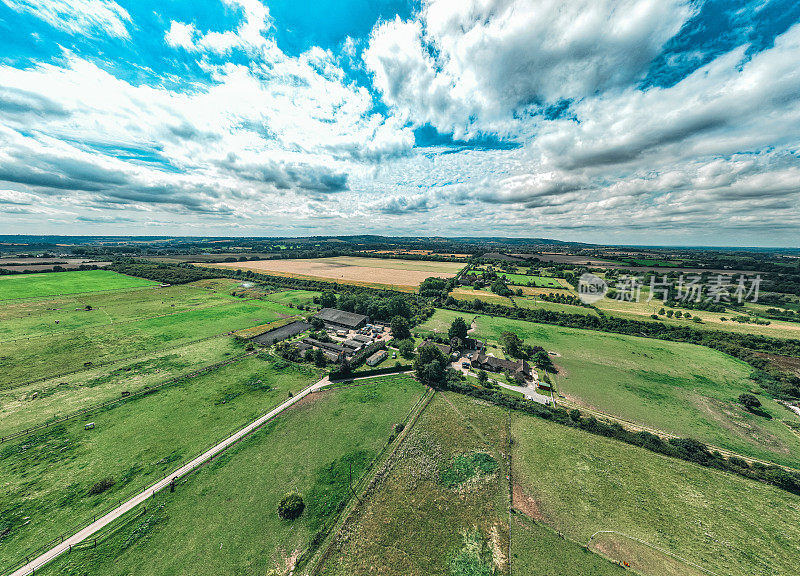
{"points": [[533, 303], [56, 353], [526, 280], [539, 551], [222, 519], [25, 406], [436, 505], [470, 294], [580, 484], [679, 388], [47, 477], [58, 315], [293, 297], [54, 283]]}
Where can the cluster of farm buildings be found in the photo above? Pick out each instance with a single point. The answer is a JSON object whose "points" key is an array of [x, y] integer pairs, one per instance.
{"points": [[350, 334]]}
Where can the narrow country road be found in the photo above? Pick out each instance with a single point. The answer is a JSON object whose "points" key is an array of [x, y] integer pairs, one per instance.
{"points": [[101, 523]]}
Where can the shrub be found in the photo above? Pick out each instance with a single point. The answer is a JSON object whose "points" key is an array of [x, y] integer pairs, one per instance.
{"points": [[749, 401], [102, 485], [291, 507]]}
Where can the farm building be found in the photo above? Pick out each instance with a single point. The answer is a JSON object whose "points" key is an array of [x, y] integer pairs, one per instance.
{"points": [[302, 347], [376, 358], [341, 319], [362, 338], [353, 345], [445, 348], [520, 369], [328, 347]]}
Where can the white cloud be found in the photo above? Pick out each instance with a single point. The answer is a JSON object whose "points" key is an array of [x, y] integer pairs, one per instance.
{"points": [[89, 17], [249, 35], [181, 35], [469, 66]]}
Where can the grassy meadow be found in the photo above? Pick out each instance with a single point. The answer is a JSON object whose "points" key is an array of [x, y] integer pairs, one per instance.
{"points": [[580, 484], [537, 550], [49, 477], [54, 353], [528, 280], [679, 388], [442, 505], [42, 285], [222, 519], [25, 406]]}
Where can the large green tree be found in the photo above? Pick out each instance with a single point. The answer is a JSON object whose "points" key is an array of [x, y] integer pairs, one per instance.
{"points": [[430, 365], [400, 329], [458, 329]]}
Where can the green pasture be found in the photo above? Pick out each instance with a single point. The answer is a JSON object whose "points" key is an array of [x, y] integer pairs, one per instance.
{"points": [[679, 388], [527, 280], [25, 360], [48, 477], [293, 297], [57, 315], [223, 518], [582, 484], [539, 551], [54, 283], [445, 495], [26, 406]]}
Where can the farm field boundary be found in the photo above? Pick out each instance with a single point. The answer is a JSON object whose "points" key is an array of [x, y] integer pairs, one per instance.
{"points": [[368, 483]]}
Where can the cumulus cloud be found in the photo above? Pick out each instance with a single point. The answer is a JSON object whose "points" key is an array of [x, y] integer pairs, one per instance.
{"points": [[88, 17], [249, 35], [530, 117], [471, 66]]}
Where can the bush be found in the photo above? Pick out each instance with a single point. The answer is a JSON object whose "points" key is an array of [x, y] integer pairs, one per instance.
{"points": [[291, 507], [102, 485], [749, 401]]}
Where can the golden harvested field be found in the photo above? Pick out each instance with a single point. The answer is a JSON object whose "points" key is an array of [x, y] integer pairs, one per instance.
{"points": [[383, 272]]}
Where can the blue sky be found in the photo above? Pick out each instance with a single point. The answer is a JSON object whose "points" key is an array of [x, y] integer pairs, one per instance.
{"points": [[628, 121]]}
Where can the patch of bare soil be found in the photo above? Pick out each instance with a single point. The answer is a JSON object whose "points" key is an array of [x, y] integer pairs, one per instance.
{"points": [[310, 398], [786, 363], [499, 558], [640, 557], [526, 504]]}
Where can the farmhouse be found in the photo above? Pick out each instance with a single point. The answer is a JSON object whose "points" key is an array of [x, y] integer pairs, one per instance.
{"points": [[520, 369], [341, 319]]}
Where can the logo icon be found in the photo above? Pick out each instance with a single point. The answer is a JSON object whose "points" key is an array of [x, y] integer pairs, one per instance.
{"points": [[591, 288]]}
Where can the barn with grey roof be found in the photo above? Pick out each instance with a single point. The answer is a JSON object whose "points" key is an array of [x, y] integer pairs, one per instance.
{"points": [[341, 319]]}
